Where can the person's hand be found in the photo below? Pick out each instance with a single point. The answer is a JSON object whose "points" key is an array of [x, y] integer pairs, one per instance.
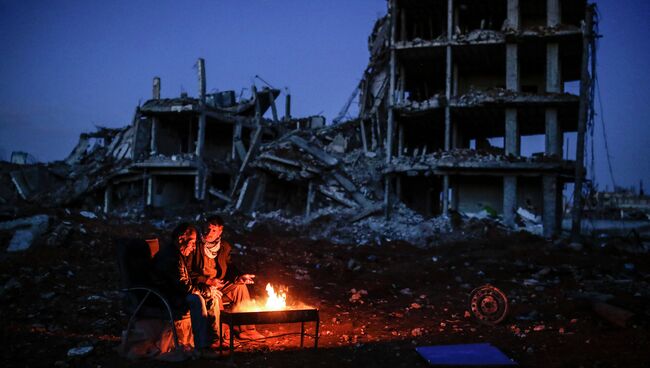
{"points": [[214, 291], [246, 279], [215, 282]]}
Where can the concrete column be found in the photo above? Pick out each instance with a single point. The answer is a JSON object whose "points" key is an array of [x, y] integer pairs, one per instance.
{"points": [[450, 19], [156, 88], [402, 83], [512, 138], [583, 112], [150, 188], [287, 107], [509, 199], [155, 123], [553, 13], [391, 88], [551, 215], [513, 14], [448, 76], [200, 140], [310, 197], [553, 71], [448, 92], [512, 67], [198, 182], [108, 198], [201, 71], [553, 137], [274, 109], [455, 189], [402, 32], [387, 196], [153, 144], [445, 195]]}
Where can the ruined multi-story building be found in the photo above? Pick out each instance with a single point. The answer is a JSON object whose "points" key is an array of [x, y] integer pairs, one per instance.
{"points": [[185, 147], [195, 150], [451, 88], [449, 79]]}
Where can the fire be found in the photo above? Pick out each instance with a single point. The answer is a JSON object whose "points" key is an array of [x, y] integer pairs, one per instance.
{"points": [[275, 301]]}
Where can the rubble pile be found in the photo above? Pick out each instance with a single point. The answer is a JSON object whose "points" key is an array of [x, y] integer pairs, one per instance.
{"points": [[457, 156], [408, 106], [375, 301], [74, 180], [480, 35], [477, 97], [331, 224]]}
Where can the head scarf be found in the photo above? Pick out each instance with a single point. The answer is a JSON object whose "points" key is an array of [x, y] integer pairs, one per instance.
{"points": [[211, 249]]}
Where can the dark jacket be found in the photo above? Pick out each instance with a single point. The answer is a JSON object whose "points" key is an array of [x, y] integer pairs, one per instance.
{"points": [[173, 275], [204, 268]]}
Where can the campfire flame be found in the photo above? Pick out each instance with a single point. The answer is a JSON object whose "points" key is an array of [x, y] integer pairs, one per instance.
{"points": [[276, 301]]}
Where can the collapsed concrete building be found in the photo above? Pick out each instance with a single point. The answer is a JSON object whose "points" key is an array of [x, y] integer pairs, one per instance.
{"points": [[446, 76], [446, 80], [195, 149]]}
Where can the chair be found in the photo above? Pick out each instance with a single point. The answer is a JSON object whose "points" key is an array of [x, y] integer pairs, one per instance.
{"points": [[136, 265]]}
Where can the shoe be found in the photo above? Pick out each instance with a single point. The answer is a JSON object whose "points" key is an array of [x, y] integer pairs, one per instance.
{"points": [[251, 335]]}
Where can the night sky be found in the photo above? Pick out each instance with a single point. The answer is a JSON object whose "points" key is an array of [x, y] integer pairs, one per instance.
{"points": [[67, 66]]}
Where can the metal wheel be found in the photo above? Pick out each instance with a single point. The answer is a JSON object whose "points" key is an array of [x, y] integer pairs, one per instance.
{"points": [[488, 304]]}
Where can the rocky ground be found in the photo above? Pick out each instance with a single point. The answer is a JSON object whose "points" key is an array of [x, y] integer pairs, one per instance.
{"points": [[377, 301]]}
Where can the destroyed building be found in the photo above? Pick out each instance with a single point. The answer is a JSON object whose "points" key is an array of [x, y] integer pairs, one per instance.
{"points": [[446, 77], [192, 149], [195, 150], [446, 82]]}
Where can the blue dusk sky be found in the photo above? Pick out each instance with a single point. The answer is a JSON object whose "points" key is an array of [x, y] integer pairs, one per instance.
{"points": [[67, 66]]}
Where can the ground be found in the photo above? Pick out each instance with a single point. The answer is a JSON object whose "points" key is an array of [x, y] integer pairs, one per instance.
{"points": [[377, 302]]}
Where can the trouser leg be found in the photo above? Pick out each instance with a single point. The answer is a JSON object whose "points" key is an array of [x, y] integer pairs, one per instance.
{"points": [[213, 307], [236, 293], [199, 317]]}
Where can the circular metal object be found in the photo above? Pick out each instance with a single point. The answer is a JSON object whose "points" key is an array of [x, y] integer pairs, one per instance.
{"points": [[488, 304]]}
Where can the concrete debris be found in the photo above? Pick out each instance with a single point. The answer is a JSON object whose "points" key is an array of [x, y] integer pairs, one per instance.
{"points": [[496, 96], [27, 230], [59, 235], [80, 351], [22, 158], [332, 224], [88, 214]]}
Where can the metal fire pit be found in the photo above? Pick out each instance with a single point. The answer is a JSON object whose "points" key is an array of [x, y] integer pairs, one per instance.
{"points": [[270, 317]]}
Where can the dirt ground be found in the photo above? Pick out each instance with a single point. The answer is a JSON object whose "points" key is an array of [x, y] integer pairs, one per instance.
{"points": [[377, 302]]}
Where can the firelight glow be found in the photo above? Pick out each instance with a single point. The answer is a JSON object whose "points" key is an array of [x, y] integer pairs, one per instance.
{"points": [[276, 301]]}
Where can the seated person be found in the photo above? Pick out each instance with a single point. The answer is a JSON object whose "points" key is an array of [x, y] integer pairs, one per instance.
{"points": [[215, 269], [173, 267]]}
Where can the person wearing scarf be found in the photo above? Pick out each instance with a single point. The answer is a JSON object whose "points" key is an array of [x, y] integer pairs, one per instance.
{"points": [[213, 268]]}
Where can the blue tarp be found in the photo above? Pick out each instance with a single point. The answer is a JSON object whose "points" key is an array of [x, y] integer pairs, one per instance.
{"points": [[464, 354]]}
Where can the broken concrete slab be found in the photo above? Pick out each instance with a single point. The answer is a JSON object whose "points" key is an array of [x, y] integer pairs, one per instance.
{"points": [[217, 193], [27, 230], [314, 151]]}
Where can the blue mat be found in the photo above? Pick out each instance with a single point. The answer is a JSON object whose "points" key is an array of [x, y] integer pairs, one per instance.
{"points": [[464, 354]]}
